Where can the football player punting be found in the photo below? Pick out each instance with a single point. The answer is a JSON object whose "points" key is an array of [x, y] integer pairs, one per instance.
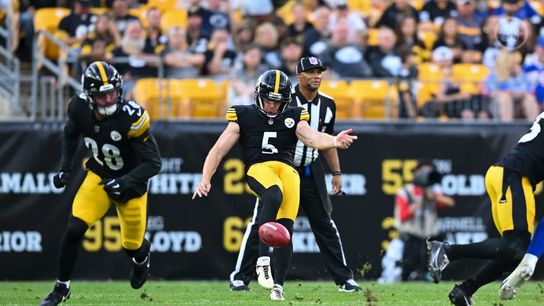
{"points": [[125, 157], [268, 133]]}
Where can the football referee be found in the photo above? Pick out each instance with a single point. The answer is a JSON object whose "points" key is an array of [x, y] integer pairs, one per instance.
{"points": [[314, 198]]}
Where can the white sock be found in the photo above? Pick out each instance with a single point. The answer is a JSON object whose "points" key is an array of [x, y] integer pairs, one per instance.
{"points": [[263, 261], [66, 283]]}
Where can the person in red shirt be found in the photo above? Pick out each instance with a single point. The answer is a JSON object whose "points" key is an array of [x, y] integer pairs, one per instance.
{"points": [[416, 215]]}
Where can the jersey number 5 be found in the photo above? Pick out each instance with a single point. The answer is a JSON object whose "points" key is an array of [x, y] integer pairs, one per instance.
{"points": [[112, 154], [269, 148]]}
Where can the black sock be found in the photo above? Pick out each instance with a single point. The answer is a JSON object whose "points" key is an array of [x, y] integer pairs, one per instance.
{"points": [[271, 199], [492, 270], [509, 247], [69, 247], [282, 256]]}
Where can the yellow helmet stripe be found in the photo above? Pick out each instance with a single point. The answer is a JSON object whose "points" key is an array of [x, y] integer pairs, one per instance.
{"points": [[277, 84], [102, 73]]}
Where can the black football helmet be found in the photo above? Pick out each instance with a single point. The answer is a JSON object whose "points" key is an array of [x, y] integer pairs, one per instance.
{"points": [[101, 77], [273, 85]]}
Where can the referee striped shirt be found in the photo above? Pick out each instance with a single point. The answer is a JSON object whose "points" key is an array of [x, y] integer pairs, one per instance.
{"points": [[322, 112]]}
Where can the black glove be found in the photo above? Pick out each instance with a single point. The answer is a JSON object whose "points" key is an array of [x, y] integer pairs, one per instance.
{"points": [[113, 187], [61, 179]]}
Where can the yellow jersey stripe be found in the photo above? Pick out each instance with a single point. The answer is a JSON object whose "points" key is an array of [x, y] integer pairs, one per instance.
{"points": [[304, 115], [102, 73], [277, 84], [139, 127], [140, 120], [231, 114]]}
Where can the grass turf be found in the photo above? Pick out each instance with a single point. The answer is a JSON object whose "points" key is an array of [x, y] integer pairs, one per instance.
{"points": [[217, 293]]}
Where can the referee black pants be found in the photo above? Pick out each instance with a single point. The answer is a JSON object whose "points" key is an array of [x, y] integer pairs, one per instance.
{"points": [[312, 193]]}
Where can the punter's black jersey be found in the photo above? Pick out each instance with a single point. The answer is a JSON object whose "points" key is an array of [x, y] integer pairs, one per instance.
{"points": [[263, 139], [118, 144], [527, 156]]}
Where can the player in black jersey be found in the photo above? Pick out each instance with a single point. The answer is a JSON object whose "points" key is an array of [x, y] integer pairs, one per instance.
{"points": [[510, 184], [125, 156], [268, 133]]}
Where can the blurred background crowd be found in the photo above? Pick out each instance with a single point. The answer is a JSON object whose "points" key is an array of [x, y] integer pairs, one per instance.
{"points": [[387, 59]]}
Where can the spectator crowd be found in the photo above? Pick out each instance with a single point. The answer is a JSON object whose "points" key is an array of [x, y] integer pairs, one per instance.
{"points": [[423, 48]]}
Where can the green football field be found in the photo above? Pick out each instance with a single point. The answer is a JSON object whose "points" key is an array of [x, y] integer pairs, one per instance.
{"points": [[217, 293]]}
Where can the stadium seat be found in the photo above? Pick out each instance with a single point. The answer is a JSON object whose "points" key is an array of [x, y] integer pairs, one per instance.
{"points": [[149, 92], [537, 6], [373, 37], [48, 19], [430, 76], [201, 98], [173, 18], [417, 4], [470, 76], [373, 99], [339, 91], [162, 5], [363, 7]]}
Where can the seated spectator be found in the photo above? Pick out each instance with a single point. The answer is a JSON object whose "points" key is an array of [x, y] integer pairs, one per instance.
{"points": [[26, 21], [154, 36], [436, 11], [213, 17], [468, 24], [266, 37], [197, 42], [219, 58], [449, 101], [509, 88], [391, 16], [100, 42], [244, 35], [518, 8], [535, 74], [315, 40], [74, 28], [355, 20], [142, 59], [407, 38], [180, 62], [300, 24], [449, 37], [121, 14], [383, 59], [291, 53], [244, 76], [489, 46], [406, 84], [106, 31], [95, 50], [344, 58]]}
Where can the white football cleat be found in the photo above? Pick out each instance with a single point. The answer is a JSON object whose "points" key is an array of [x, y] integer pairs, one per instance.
{"points": [[264, 272], [522, 273], [276, 294]]}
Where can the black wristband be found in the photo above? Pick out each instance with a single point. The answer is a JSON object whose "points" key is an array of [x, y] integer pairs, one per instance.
{"points": [[336, 173]]}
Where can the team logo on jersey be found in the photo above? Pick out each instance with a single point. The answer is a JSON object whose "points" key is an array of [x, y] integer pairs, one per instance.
{"points": [[289, 122], [115, 136]]}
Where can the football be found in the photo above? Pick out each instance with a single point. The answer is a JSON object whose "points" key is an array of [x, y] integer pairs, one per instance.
{"points": [[274, 234]]}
